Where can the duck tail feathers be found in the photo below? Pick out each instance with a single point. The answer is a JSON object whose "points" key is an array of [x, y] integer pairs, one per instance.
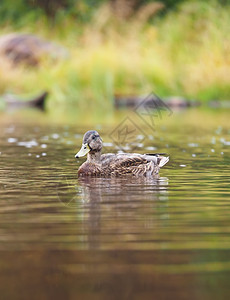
{"points": [[163, 161]]}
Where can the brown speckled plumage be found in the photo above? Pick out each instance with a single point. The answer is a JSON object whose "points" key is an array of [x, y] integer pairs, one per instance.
{"points": [[110, 164]]}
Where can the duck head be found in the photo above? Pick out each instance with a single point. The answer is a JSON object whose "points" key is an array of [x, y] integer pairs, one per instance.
{"points": [[92, 143]]}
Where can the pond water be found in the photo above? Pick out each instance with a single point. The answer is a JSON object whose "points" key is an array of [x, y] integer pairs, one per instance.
{"points": [[114, 238]]}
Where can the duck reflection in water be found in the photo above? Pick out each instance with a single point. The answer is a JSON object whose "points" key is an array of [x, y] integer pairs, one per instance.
{"points": [[113, 209]]}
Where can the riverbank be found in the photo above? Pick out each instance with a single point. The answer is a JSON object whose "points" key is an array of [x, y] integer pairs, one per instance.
{"points": [[185, 53]]}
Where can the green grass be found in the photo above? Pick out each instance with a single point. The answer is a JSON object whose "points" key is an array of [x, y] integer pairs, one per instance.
{"points": [[186, 53]]}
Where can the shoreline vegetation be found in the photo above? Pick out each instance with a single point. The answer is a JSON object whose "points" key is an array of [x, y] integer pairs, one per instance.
{"points": [[182, 52]]}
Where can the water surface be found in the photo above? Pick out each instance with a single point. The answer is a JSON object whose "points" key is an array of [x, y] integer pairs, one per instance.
{"points": [[67, 238]]}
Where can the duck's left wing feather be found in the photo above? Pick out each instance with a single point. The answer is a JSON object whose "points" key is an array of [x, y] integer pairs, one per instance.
{"points": [[125, 160]]}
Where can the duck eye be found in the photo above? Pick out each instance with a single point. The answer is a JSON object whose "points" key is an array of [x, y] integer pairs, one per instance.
{"points": [[93, 137]]}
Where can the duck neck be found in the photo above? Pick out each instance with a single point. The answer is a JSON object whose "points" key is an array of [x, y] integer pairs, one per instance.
{"points": [[94, 157]]}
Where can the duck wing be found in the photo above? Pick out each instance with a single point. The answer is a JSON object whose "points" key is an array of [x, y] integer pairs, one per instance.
{"points": [[122, 160], [133, 163], [133, 159]]}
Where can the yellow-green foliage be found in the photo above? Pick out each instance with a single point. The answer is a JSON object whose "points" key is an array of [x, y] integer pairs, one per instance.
{"points": [[186, 53]]}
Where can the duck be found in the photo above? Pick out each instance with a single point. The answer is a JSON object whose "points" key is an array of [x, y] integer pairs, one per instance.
{"points": [[111, 164]]}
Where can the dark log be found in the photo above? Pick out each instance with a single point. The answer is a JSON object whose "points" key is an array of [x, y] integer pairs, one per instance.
{"points": [[12, 101], [134, 101]]}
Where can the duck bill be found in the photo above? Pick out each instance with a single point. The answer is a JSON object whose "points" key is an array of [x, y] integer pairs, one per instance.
{"points": [[83, 151]]}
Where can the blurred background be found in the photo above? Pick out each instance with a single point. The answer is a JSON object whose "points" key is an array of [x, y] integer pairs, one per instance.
{"points": [[88, 52], [88, 65]]}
